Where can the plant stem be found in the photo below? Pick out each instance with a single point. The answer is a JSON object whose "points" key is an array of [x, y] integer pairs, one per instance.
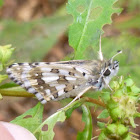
{"points": [[98, 102], [21, 93]]}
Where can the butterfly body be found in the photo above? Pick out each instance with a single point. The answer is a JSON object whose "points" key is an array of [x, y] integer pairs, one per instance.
{"points": [[59, 80]]}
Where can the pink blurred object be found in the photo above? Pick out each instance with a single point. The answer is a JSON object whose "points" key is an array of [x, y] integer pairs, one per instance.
{"points": [[9, 131]]}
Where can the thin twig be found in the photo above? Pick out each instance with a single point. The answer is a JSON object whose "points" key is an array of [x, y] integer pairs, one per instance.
{"points": [[94, 137], [98, 102], [134, 134], [134, 138]]}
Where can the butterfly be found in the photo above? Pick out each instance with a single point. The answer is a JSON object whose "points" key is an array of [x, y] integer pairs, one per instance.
{"points": [[59, 80]]}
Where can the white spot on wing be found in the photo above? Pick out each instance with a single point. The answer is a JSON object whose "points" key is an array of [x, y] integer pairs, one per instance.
{"points": [[81, 70], [50, 79], [27, 83], [44, 102], [31, 90], [18, 82], [43, 69], [39, 96], [18, 68], [23, 75], [76, 75], [61, 92], [63, 72], [26, 64], [11, 75], [60, 87], [26, 68], [86, 76], [36, 74], [15, 64], [48, 74], [8, 70], [48, 92], [70, 78], [52, 97], [22, 85], [42, 63], [52, 85]]}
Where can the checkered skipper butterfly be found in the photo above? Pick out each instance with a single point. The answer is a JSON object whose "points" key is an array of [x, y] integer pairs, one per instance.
{"points": [[59, 80]]}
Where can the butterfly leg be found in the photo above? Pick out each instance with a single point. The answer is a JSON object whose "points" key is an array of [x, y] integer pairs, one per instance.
{"points": [[77, 97], [108, 86]]}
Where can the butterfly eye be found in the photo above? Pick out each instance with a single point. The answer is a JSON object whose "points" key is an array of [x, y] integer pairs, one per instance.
{"points": [[107, 72]]}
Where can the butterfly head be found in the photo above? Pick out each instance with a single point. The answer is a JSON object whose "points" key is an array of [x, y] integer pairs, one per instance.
{"points": [[110, 69]]}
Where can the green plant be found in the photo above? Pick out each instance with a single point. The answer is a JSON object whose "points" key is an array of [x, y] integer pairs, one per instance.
{"points": [[120, 104], [1, 2]]}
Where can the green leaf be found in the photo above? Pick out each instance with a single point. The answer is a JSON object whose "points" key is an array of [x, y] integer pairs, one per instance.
{"points": [[102, 136], [132, 122], [75, 105], [50, 122], [89, 16], [53, 119], [135, 89], [33, 120], [1, 3], [129, 82], [8, 85], [5, 54], [105, 96], [103, 114], [86, 134], [137, 114], [101, 124]]}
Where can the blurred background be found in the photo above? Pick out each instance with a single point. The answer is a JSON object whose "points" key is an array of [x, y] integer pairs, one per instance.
{"points": [[37, 29]]}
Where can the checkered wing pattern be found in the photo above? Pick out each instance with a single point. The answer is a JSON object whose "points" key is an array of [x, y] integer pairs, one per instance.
{"points": [[51, 81]]}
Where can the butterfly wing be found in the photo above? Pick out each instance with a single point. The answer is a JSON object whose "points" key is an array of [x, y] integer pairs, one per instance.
{"points": [[52, 81]]}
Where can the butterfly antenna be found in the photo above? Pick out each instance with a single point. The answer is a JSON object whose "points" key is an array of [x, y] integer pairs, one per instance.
{"points": [[100, 50], [118, 52]]}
